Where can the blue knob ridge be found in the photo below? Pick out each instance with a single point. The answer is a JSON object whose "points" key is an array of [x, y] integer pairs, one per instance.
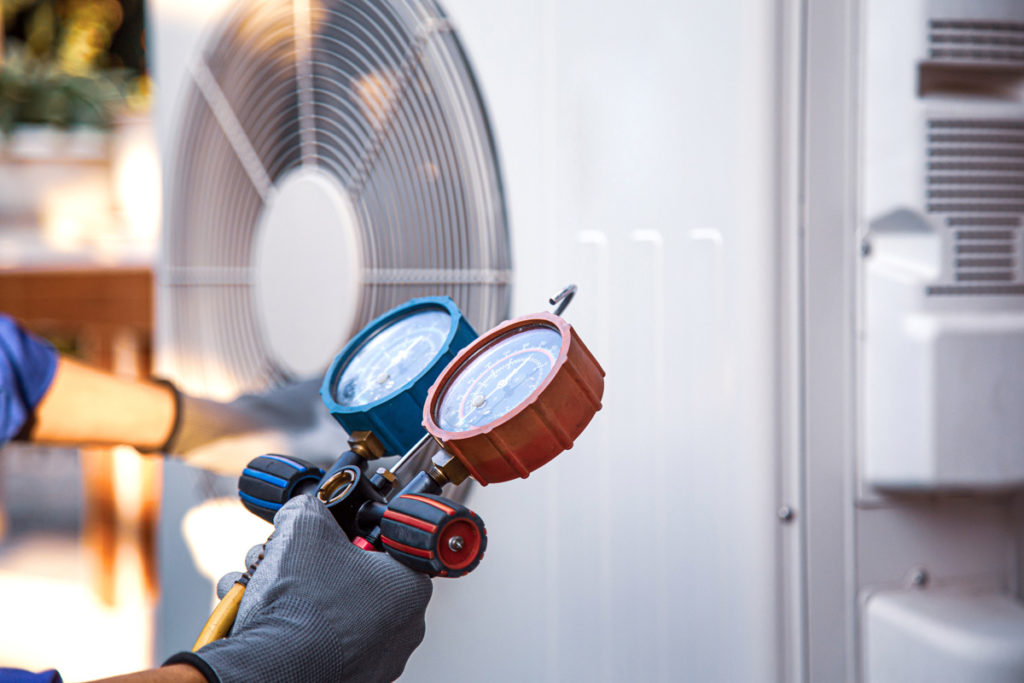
{"points": [[270, 480]]}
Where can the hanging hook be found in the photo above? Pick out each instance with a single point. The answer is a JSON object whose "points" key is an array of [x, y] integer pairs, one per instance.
{"points": [[562, 299]]}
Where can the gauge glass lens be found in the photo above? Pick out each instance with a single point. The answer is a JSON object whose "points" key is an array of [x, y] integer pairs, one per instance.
{"points": [[392, 357], [498, 378]]}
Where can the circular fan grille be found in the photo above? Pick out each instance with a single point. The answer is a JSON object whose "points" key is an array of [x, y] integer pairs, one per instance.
{"points": [[377, 97]]}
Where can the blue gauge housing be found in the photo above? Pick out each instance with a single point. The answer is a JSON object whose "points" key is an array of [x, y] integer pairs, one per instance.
{"points": [[396, 419]]}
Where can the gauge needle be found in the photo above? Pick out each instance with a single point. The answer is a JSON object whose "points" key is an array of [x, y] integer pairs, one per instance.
{"points": [[504, 383], [393, 361], [401, 355]]}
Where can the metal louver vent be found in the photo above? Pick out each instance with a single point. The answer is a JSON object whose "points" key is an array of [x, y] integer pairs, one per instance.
{"points": [[988, 43], [976, 180], [373, 106]]}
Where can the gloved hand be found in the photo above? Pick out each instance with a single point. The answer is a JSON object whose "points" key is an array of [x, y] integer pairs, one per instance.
{"points": [[27, 364], [319, 609], [221, 436]]}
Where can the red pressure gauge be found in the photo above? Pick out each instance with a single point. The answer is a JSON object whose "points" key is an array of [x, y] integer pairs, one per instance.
{"points": [[515, 398]]}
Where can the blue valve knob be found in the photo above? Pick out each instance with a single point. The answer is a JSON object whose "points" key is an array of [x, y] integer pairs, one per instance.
{"points": [[270, 480]]}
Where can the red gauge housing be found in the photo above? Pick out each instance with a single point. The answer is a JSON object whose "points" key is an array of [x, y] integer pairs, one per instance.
{"points": [[537, 429]]}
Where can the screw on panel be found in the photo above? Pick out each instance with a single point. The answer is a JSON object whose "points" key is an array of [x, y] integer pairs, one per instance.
{"points": [[919, 577], [786, 513], [455, 543]]}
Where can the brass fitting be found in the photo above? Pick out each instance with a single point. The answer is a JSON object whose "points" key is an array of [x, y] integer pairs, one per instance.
{"points": [[366, 445], [337, 487], [447, 469], [387, 474]]}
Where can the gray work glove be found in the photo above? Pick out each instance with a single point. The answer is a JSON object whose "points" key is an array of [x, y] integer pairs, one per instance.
{"points": [[319, 609], [221, 436]]}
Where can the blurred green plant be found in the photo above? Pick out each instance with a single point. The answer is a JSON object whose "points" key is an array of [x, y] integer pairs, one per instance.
{"points": [[34, 91], [59, 73]]}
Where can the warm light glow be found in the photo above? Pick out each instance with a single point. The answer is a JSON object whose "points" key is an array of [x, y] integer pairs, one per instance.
{"points": [[128, 483], [75, 213], [52, 618], [230, 455], [137, 181], [219, 532], [109, 211], [192, 11], [198, 376], [376, 93]]}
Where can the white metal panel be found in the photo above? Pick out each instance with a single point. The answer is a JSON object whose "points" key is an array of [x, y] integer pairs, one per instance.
{"points": [[944, 392], [958, 541], [828, 241], [639, 155], [944, 636]]}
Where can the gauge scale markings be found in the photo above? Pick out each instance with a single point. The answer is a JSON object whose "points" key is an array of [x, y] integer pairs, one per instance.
{"points": [[500, 378], [392, 357]]}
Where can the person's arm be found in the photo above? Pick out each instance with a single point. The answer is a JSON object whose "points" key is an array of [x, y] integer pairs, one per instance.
{"points": [[57, 400], [48, 398], [175, 673], [86, 406]]}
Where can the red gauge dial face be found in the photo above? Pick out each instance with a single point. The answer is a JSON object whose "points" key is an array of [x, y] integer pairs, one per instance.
{"points": [[499, 378]]}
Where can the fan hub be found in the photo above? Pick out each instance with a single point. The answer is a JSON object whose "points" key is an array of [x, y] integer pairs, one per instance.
{"points": [[307, 256]]}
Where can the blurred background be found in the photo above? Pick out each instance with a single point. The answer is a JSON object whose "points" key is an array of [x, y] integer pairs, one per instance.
{"points": [[795, 228], [79, 220]]}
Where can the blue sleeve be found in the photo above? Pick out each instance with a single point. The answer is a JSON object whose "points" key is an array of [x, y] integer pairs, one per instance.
{"points": [[19, 676], [27, 366]]}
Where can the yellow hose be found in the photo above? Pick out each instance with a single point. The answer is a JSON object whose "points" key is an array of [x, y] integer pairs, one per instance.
{"points": [[222, 617]]}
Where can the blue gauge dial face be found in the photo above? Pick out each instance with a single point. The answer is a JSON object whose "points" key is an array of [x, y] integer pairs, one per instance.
{"points": [[392, 358], [498, 378]]}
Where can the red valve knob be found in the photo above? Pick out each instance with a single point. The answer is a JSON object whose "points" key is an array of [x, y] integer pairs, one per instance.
{"points": [[433, 535]]}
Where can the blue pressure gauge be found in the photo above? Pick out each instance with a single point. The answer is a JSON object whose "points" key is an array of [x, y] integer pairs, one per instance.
{"points": [[380, 379]]}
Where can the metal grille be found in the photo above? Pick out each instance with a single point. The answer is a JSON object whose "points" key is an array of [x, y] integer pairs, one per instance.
{"points": [[985, 255], [988, 43], [379, 95], [976, 181]]}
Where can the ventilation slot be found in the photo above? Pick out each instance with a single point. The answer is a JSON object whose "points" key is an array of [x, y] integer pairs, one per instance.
{"points": [[977, 42], [976, 167], [980, 290], [975, 180], [985, 256]]}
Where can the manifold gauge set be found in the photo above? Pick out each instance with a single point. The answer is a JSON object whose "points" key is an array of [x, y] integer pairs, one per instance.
{"points": [[419, 383]]}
